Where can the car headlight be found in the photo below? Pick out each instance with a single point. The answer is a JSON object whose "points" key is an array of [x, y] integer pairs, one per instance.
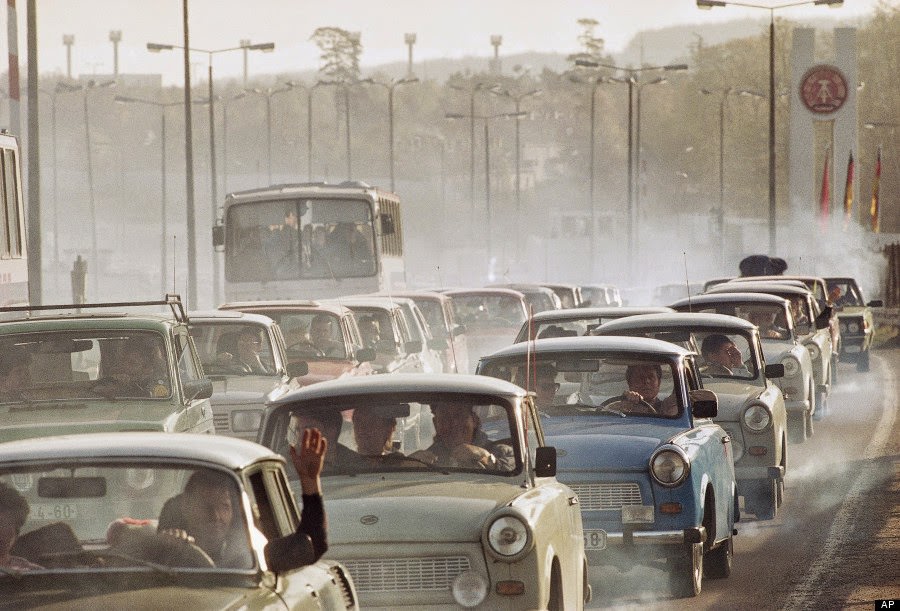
{"points": [[853, 327], [508, 536], [757, 418], [669, 465], [814, 352], [843, 327], [791, 366], [246, 421], [469, 589]]}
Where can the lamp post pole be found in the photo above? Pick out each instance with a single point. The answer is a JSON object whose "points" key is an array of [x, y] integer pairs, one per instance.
{"points": [[410, 40], [390, 91], [637, 148], [708, 4]]}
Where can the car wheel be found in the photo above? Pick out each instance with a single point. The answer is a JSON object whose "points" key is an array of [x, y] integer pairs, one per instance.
{"points": [[862, 362], [797, 428], [717, 563], [686, 572], [556, 602], [821, 405], [766, 502], [808, 425]]}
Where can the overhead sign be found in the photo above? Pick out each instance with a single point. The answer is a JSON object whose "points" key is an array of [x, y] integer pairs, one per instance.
{"points": [[823, 89]]}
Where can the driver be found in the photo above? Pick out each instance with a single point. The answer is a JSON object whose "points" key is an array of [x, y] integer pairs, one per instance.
{"points": [[460, 442], [142, 366], [321, 334], [643, 387]]}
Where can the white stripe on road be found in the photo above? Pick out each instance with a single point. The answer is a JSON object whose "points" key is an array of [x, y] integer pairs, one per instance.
{"points": [[851, 507]]}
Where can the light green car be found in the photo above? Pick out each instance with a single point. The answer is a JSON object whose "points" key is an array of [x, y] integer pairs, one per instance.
{"points": [[856, 320], [97, 368]]}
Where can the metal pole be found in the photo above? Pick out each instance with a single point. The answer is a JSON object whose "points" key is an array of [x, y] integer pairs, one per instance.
{"points": [[162, 213], [224, 146], [391, 125], [91, 203], [637, 164], [487, 188], [55, 197], [518, 183], [309, 94], [33, 234], [721, 212], [347, 130], [189, 168], [472, 152], [213, 179], [772, 208], [630, 218], [593, 240], [269, 135]]}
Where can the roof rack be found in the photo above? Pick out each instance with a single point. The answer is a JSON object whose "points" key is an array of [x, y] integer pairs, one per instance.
{"points": [[171, 299]]}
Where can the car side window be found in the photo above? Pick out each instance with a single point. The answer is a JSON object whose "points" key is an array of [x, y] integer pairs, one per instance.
{"points": [[184, 353]]}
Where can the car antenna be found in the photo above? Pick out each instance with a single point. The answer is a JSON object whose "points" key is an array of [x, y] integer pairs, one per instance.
{"points": [[530, 354], [687, 283], [174, 257]]}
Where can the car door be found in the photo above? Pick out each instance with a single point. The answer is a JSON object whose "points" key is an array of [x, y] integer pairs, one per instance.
{"points": [[195, 415]]}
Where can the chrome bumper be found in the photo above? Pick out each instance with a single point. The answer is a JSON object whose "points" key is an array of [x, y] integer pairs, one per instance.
{"points": [[657, 537]]}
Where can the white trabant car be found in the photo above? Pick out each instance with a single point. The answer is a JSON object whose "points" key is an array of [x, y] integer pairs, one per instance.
{"points": [[470, 515], [812, 324], [751, 406], [572, 322], [492, 317], [780, 344], [91, 540]]}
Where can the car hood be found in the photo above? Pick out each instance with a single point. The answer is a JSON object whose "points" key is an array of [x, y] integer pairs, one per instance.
{"points": [[732, 395], [46, 596], [604, 442], [244, 390], [373, 511], [776, 349], [320, 371], [42, 419]]}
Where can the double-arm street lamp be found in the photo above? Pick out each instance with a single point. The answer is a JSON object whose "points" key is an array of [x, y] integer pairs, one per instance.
{"points": [[708, 4], [475, 89], [487, 162], [390, 89], [268, 93]]}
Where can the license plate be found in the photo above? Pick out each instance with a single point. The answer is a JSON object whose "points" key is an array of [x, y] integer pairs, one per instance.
{"points": [[595, 539], [50, 511]]}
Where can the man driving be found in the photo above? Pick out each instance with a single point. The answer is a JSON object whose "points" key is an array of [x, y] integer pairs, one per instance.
{"points": [[460, 442], [643, 381]]}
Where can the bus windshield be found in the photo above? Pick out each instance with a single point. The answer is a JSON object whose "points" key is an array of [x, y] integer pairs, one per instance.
{"points": [[302, 238]]}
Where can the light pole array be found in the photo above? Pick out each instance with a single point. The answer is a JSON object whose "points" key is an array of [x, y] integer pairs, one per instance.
{"points": [[410, 40], [390, 90], [265, 47], [309, 125], [475, 89], [708, 4], [268, 93]]}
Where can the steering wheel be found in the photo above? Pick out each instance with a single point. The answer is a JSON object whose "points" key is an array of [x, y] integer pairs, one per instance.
{"points": [[621, 399], [306, 347], [166, 549]]}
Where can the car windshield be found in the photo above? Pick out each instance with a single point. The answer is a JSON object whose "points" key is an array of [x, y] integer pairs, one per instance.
{"points": [[726, 355], [593, 384], [844, 293], [433, 435], [482, 310], [234, 349], [68, 365], [311, 335], [108, 515], [771, 318]]}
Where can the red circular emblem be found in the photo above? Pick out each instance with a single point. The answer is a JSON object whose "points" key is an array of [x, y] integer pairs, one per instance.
{"points": [[823, 89]]}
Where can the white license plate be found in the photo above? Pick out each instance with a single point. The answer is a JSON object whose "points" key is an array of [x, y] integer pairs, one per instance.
{"points": [[595, 539], [851, 349], [51, 511]]}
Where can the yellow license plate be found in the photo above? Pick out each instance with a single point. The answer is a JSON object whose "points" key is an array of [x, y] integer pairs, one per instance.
{"points": [[595, 539]]}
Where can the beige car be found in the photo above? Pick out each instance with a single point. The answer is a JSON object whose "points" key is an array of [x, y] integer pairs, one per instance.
{"points": [[486, 525]]}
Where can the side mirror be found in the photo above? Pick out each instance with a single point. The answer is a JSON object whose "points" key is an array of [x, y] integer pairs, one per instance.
{"points": [[823, 320], [297, 369], [704, 403], [289, 553], [774, 371], [412, 347], [876, 303], [198, 389], [365, 355], [545, 461], [218, 235]]}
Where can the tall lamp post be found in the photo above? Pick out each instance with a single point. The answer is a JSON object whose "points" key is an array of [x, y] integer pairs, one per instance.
{"points": [[708, 4], [115, 37], [52, 96], [637, 145], [390, 90], [410, 40], [268, 93], [632, 81], [68, 41], [475, 89], [487, 164], [266, 47]]}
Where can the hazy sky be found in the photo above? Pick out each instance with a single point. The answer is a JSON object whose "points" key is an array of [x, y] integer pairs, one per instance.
{"points": [[454, 28]]}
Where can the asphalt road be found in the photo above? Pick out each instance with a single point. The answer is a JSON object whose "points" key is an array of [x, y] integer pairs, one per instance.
{"points": [[835, 542]]}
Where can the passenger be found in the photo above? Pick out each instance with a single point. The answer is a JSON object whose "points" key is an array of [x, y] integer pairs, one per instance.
{"points": [[722, 356], [544, 385], [643, 387], [247, 358], [14, 511], [322, 334], [765, 320], [329, 422], [373, 432], [370, 330], [207, 514], [460, 442], [15, 374]]}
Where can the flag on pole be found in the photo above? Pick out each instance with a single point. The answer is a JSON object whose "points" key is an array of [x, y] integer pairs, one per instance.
{"points": [[848, 192], [825, 195], [873, 209]]}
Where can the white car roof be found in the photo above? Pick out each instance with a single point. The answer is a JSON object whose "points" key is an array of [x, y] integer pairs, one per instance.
{"points": [[637, 345], [684, 319]]}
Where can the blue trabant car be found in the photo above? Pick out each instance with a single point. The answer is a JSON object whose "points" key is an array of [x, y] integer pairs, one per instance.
{"points": [[635, 439]]}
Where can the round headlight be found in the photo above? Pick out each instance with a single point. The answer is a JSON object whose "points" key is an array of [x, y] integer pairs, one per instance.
{"points": [[669, 466], [843, 327], [853, 327], [791, 366], [246, 421], [814, 352], [507, 535], [469, 589], [757, 418]]}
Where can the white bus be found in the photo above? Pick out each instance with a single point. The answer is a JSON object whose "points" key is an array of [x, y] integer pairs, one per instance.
{"points": [[13, 252], [311, 241]]}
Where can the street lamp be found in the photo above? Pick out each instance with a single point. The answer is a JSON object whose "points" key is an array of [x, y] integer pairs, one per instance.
{"points": [[410, 40], [68, 41], [66, 87], [496, 41], [631, 80], [478, 87], [265, 47], [487, 163], [390, 90], [269, 93], [709, 4], [115, 37], [52, 95]]}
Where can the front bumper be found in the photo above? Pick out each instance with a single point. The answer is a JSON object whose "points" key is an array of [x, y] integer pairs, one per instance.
{"points": [[797, 406], [747, 474], [629, 547]]}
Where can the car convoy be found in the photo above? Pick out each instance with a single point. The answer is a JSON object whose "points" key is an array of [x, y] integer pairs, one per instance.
{"points": [[596, 435]]}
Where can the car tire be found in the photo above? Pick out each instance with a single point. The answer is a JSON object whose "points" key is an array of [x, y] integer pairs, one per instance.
{"points": [[766, 502], [821, 405], [686, 572], [862, 362], [556, 601], [797, 428], [718, 561], [808, 426]]}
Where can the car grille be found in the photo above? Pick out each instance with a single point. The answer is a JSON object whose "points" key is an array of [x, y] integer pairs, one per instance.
{"points": [[221, 422], [346, 591], [406, 574], [614, 495]]}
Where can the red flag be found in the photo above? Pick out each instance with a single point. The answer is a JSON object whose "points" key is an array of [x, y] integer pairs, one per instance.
{"points": [[848, 192], [873, 209], [825, 195]]}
